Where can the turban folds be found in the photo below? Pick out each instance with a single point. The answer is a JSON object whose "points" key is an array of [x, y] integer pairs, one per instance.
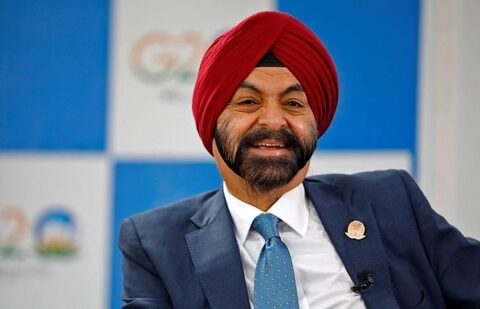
{"points": [[233, 56]]}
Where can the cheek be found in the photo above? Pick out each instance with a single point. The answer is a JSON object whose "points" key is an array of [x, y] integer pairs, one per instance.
{"points": [[236, 125], [230, 132], [304, 127]]}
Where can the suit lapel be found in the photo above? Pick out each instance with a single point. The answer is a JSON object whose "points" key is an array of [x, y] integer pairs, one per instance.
{"points": [[215, 256], [337, 207]]}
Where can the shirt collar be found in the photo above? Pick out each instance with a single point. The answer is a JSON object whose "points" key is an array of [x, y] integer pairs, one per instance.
{"points": [[291, 208]]}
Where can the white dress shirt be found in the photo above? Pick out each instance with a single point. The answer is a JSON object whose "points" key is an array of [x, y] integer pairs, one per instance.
{"points": [[321, 278]]}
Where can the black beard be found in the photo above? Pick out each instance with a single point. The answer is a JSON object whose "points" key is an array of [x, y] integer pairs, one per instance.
{"points": [[265, 173]]}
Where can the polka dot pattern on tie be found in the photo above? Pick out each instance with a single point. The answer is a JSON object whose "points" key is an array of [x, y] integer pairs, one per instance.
{"points": [[274, 278]]}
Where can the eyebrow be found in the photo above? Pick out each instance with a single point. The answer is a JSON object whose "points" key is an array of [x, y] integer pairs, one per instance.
{"points": [[249, 86], [291, 88]]}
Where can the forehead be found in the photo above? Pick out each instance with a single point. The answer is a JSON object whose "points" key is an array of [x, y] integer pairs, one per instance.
{"points": [[271, 78]]}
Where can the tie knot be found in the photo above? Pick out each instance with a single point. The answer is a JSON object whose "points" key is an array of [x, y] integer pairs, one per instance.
{"points": [[266, 225]]}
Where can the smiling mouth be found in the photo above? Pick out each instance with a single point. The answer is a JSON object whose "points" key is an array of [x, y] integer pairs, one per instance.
{"points": [[269, 145], [271, 148]]}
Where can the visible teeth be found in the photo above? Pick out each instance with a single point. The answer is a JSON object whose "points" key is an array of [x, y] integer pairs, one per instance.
{"points": [[270, 145]]}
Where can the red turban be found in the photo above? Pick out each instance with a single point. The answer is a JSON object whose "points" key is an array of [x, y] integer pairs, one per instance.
{"points": [[233, 56]]}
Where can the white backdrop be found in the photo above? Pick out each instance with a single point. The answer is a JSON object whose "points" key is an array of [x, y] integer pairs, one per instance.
{"points": [[35, 193], [449, 129]]}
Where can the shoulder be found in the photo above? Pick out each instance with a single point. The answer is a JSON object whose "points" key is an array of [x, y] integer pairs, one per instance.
{"points": [[360, 178], [372, 185], [379, 179]]}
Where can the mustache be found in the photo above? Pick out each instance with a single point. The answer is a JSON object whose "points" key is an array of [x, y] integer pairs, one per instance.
{"points": [[285, 136]]}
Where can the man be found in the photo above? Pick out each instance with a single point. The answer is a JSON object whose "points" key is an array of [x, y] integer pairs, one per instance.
{"points": [[271, 238]]}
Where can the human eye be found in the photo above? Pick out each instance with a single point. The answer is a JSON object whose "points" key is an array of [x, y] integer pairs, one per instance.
{"points": [[247, 102], [244, 104], [294, 104]]}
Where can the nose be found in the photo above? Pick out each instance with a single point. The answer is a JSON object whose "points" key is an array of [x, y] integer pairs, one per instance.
{"points": [[272, 116]]}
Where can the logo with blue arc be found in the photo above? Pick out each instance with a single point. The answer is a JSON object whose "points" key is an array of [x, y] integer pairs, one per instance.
{"points": [[55, 233]]}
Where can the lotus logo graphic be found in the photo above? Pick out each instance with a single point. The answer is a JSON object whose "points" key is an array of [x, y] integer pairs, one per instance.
{"points": [[55, 233], [160, 56]]}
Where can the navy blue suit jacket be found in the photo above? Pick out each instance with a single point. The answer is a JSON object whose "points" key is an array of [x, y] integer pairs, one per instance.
{"points": [[186, 255]]}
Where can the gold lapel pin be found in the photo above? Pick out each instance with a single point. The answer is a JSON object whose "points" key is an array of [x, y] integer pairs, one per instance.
{"points": [[355, 230]]}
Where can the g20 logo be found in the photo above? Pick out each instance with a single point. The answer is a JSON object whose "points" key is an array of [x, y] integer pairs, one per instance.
{"points": [[160, 56], [53, 232]]}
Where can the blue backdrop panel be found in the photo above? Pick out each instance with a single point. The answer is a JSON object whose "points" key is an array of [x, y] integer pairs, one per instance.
{"points": [[53, 76], [375, 46], [144, 185]]}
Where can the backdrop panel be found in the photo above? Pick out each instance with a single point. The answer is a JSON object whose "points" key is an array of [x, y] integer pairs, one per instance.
{"points": [[375, 47], [54, 236], [53, 71]]}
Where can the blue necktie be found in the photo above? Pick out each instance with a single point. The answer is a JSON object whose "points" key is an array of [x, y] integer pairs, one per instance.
{"points": [[274, 279]]}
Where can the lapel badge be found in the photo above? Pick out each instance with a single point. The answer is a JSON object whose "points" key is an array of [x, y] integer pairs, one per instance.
{"points": [[355, 230]]}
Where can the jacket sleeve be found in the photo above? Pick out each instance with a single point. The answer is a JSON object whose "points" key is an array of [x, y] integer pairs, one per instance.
{"points": [[142, 286], [454, 258]]}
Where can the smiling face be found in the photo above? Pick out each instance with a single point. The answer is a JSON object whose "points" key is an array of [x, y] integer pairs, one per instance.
{"points": [[267, 132]]}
